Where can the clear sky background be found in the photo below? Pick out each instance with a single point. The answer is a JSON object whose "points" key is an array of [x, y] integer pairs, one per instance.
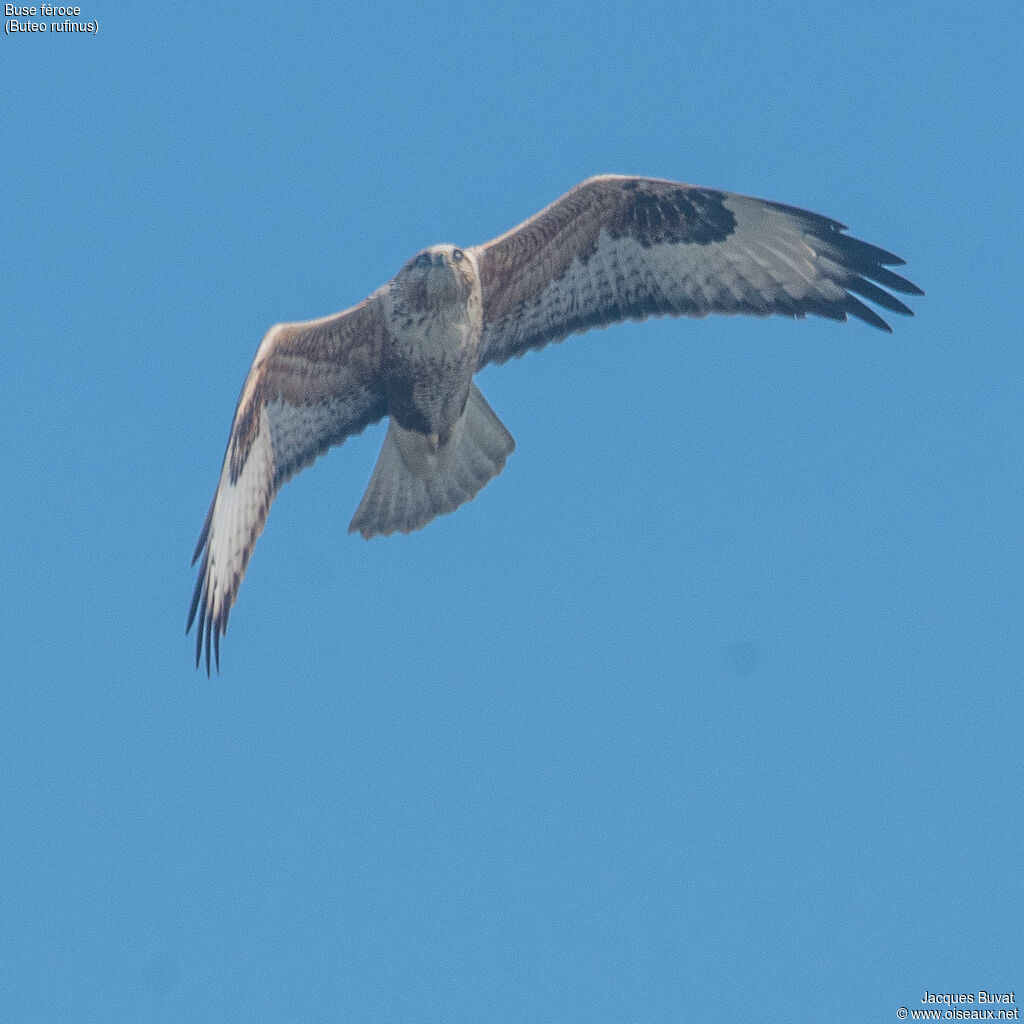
{"points": [[708, 708]]}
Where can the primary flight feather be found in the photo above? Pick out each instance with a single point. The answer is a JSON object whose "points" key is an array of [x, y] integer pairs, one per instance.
{"points": [[611, 249]]}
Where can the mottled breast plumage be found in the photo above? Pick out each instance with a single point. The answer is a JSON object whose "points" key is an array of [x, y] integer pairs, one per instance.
{"points": [[430, 355]]}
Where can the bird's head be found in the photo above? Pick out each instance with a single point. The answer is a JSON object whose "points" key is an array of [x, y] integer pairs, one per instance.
{"points": [[437, 274]]}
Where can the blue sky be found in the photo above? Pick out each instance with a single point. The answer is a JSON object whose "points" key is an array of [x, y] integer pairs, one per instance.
{"points": [[708, 708]]}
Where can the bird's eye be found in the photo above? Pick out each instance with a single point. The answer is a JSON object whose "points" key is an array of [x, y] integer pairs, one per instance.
{"points": [[457, 255], [423, 260]]}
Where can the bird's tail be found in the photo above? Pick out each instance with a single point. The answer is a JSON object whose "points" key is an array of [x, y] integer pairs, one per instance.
{"points": [[400, 497]]}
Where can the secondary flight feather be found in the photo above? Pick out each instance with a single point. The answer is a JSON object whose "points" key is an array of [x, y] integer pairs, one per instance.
{"points": [[613, 248]]}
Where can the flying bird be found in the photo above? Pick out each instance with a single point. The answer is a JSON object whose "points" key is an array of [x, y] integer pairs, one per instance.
{"points": [[613, 248]]}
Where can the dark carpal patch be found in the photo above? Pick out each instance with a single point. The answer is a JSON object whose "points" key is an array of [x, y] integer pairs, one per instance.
{"points": [[246, 429], [656, 214]]}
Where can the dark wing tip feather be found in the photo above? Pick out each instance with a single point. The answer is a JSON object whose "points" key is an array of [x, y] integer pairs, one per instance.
{"points": [[818, 223], [196, 596], [204, 533], [209, 626], [209, 629], [856, 308], [896, 282], [198, 604], [862, 268], [864, 263], [862, 286]]}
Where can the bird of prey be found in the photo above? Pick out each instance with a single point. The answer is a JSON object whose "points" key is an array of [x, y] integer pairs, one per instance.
{"points": [[613, 248]]}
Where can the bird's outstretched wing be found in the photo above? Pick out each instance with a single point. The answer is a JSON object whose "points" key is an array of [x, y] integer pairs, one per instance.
{"points": [[311, 386], [617, 248]]}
